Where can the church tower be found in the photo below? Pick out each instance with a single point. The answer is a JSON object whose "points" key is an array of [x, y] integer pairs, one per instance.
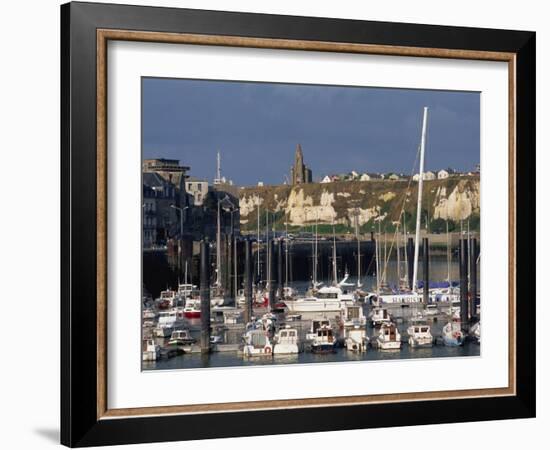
{"points": [[299, 173]]}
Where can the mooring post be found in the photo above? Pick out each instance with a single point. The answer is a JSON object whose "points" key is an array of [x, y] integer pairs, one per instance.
{"points": [[247, 280], [280, 269], [463, 264], [270, 274], [410, 261], [426, 270], [473, 278], [205, 296]]}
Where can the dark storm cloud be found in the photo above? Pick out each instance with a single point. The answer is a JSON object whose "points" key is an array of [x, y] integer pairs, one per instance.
{"points": [[256, 126]]}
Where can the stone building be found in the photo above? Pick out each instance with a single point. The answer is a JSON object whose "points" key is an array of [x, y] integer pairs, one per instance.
{"points": [[198, 189], [169, 169], [300, 173], [160, 220]]}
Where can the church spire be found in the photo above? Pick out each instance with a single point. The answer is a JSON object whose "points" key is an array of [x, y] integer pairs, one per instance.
{"points": [[299, 173]]}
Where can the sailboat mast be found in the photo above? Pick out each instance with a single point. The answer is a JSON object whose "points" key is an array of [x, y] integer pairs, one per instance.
{"points": [[258, 240], [419, 204], [358, 250], [315, 262], [334, 271], [286, 251], [377, 249], [405, 250], [267, 250]]}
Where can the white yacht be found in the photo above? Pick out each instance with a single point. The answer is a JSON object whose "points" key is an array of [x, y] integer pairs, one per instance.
{"points": [[452, 334], [150, 351], [389, 337], [327, 299], [192, 309], [168, 322], [257, 344], [167, 299], [475, 332], [181, 338], [379, 316], [356, 339], [352, 316], [323, 339], [286, 342], [420, 335]]}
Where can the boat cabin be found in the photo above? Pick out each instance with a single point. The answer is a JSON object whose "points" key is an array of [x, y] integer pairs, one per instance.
{"points": [[287, 336]]}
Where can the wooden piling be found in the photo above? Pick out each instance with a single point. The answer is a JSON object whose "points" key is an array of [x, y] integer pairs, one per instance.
{"points": [[473, 277], [270, 274], [205, 296], [463, 266]]}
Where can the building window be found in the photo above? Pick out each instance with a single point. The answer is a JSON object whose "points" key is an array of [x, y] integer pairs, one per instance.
{"points": [[199, 186]]}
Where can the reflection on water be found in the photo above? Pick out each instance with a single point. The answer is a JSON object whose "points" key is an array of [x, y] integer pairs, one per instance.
{"points": [[194, 361]]}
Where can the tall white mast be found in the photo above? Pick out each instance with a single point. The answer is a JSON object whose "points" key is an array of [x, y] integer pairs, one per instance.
{"points": [[258, 240], [286, 251], [218, 178], [267, 250], [419, 204], [405, 250], [315, 254], [359, 284], [334, 271], [377, 248]]}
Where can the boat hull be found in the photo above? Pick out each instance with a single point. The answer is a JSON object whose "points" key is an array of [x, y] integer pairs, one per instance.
{"points": [[452, 341], [285, 349], [323, 348], [313, 306], [389, 345], [250, 351], [420, 342]]}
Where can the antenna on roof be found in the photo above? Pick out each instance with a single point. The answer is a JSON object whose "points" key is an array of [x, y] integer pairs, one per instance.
{"points": [[218, 179]]}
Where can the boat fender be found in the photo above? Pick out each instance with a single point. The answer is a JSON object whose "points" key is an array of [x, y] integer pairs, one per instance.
{"points": [[267, 350]]}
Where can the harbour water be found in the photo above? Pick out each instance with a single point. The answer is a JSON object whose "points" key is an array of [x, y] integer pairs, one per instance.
{"points": [[232, 335]]}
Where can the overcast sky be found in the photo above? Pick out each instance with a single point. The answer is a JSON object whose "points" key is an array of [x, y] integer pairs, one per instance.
{"points": [[256, 127]]}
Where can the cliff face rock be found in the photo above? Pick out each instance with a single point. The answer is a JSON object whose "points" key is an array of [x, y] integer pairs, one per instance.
{"points": [[368, 201], [458, 204]]}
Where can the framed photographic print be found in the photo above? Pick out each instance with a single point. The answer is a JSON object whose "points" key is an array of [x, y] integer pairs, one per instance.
{"points": [[277, 224]]}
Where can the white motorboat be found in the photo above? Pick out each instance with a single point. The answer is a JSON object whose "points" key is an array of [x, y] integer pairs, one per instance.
{"points": [[315, 325], [389, 337], [168, 322], [257, 344], [379, 316], [420, 335], [181, 338], [150, 351], [286, 341], [356, 339], [149, 314], [475, 332], [167, 299], [192, 309], [352, 316], [187, 290], [323, 339], [452, 334], [327, 299]]}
